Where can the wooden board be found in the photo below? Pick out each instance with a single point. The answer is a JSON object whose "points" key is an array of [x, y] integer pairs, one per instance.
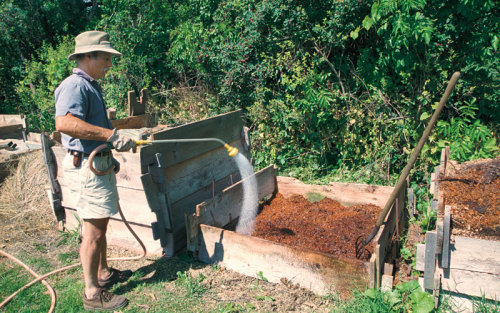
{"points": [[250, 256], [471, 283], [383, 239], [474, 266], [347, 194], [118, 235], [134, 122], [430, 259], [226, 207], [227, 127], [133, 203]]}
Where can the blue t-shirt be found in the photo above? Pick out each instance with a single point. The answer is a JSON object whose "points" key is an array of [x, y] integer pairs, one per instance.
{"points": [[80, 95]]}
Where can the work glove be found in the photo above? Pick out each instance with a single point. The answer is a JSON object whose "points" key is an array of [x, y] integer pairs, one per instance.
{"points": [[121, 142], [116, 164]]}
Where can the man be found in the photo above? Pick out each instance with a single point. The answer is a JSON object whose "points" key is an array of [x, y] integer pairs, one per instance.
{"points": [[82, 119]]}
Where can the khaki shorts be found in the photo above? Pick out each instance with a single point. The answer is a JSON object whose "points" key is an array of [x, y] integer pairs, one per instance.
{"points": [[95, 196]]}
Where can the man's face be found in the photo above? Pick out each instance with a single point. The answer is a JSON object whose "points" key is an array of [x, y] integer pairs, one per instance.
{"points": [[100, 66]]}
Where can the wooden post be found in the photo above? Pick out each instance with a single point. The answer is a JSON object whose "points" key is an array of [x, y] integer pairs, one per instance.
{"points": [[137, 107]]}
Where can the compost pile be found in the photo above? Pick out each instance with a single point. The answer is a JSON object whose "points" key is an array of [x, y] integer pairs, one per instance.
{"points": [[325, 226], [473, 191]]}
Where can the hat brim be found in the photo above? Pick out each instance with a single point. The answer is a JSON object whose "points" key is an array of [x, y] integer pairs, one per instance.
{"points": [[90, 49]]}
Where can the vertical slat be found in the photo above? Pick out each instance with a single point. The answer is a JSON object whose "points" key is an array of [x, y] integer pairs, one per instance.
{"points": [[430, 259], [445, 256]]}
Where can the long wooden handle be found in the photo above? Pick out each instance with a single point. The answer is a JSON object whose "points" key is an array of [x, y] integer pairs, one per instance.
{"points": [[418, 148]]}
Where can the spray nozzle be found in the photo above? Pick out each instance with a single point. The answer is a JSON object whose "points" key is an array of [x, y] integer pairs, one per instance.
{"points": [[231, 150]]}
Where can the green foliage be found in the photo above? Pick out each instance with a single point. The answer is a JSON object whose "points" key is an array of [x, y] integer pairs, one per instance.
{"points": [[332, 90], [261, 276], [36, 89], [193, 286], [26, 26], [406, 297]]}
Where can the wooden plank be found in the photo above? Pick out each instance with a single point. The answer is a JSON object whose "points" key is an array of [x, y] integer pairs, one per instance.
{"points": [[321, 273], [387, 230], [372, 271], [226, 127], [388, 269], [445, 255], [430, 259], [472, 283], [226, 207], [137, 107], [12, 119], [378, 265], [432, 186], [133, 202], [134, 122], [439, 236], [347, 194], [386, 284], [476, 255], [420, 264], [118, 235], [55, 189], [187, 205], [194, 174], [11, 132], [436, 183]]}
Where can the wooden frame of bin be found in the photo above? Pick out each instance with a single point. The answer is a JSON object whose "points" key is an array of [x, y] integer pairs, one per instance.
{"points": [[322, 273]]}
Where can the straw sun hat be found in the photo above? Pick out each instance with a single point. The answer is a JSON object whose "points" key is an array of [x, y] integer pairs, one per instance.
{"points": [[92, 41]]}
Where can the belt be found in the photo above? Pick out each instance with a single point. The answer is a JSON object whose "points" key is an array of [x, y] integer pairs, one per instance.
{"points": [[99, 154]]}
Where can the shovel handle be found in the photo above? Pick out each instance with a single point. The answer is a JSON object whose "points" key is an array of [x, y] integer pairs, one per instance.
{"points": [[418, 148]]}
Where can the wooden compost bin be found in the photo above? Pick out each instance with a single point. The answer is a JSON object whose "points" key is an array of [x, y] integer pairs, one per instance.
{"points": [[160, 183], [320, 272], [460, 266], [14, 142]]}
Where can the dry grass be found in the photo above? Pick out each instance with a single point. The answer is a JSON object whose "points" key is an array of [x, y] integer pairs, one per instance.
{"points": [[25, 210]]}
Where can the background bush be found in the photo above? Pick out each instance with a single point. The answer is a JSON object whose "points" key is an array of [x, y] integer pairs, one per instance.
{"points": [[332, 90]]}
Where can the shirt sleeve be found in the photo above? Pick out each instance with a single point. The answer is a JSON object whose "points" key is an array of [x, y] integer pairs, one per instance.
{"points": [[70, 98]]}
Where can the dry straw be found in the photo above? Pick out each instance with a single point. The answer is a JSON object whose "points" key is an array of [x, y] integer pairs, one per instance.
{"points": [[25, 210]]}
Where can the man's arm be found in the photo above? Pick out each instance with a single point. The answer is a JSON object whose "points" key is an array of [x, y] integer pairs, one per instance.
{"points": [[77, 128]]}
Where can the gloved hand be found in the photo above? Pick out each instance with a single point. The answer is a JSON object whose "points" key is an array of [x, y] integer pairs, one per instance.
{"points": [[121, 142], [116, 164]]}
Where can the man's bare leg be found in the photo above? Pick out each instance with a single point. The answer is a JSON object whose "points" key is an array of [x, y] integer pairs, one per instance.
{"points": [[90, 252], [104, 270]]}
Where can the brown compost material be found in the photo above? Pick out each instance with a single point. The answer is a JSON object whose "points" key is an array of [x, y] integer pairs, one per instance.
{"points": [[473, 191], [325, 226]]}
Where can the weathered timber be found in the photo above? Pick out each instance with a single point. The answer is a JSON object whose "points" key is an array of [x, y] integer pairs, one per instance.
{"points": [[223, 209], [430, 259], [445, 255], [385, 234], [226, 127], [134, 122], [135, 107], [248, 255], [55, 189], [226, 206], [345, 193]]}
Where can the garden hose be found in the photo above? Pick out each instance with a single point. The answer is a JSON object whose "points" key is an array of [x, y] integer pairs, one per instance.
{"points": [[232, 151], [42, 278]]}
